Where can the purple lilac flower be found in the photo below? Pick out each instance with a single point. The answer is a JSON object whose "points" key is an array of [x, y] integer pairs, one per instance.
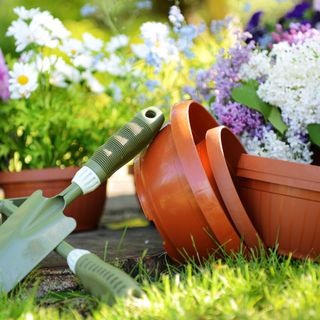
{"points": [[4, 79], [297, 33], [225, 73]]}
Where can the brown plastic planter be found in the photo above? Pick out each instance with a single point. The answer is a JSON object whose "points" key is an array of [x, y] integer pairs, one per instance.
{"points": [[223, 151], [87, 209], [175, 192], [283, 201]]}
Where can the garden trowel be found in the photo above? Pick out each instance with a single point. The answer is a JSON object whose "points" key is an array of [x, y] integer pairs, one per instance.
{"points": [[101, 279], [39, 225]]}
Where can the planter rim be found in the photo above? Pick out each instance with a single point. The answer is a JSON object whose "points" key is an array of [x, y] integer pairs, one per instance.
{"points": [[291, 174], [224, 150], [185, 144], [47, 174]]}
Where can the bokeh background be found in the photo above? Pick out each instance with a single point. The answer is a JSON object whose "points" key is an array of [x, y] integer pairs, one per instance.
{"points": [[106, 17]]}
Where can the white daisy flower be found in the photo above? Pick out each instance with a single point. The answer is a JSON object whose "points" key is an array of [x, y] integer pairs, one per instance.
{"points": [[26, 14], [84, 60], [63, 74], [72, 47], [25, 34], [23, 80], [92, 43], [93, 84], [45, 64], [113, 65], [117, 42]]}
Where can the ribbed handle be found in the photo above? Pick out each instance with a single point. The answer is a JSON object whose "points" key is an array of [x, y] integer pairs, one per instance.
{"points": [[126, 143], [105, 281]]}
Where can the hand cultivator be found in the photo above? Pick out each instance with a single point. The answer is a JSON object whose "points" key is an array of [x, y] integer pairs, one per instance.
{"points": [[37, 225]]}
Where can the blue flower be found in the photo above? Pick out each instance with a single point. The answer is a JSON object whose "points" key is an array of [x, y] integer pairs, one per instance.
{"points": [[147, 4], [152, 84], [88, 10]]}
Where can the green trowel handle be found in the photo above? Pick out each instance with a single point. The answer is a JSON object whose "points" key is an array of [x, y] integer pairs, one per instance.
{"points": [[126, 143], [103, 280]]}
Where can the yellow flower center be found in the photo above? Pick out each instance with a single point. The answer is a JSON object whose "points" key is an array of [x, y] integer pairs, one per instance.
{"points": [[73, 51], [23, 80]]}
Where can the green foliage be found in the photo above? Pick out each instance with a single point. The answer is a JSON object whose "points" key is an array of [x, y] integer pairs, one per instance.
{"points": [[268, 287], [246, 94], [314, 133], [56, 127]]}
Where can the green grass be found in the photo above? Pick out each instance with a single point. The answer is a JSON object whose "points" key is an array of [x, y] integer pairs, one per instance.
{"points": [[263, 288]]}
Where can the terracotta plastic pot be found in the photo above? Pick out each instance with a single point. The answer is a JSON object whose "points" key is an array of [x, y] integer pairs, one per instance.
{"points": [[175, 192], [283, 201], [223, 150], [87, 209]]}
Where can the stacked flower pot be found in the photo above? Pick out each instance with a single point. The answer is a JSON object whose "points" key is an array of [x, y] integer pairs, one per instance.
{"points": [[206, 195]]}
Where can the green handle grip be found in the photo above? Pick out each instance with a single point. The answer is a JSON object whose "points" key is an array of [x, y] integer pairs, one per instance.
{"points": [[105, 281], [126, 143]]}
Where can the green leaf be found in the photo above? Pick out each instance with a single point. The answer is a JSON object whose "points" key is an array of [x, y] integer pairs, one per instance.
{"points": [[212, 100], [276, 120], [246, 94], [314, 133]]}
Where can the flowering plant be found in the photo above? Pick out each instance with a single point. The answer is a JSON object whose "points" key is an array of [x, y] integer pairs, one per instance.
{"points": [[67, 94], [269, 98], [299, 19]]}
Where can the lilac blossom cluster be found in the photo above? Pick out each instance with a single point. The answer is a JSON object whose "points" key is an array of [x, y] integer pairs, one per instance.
{"points": [[215, 85], [297, 33], [278, 71]]}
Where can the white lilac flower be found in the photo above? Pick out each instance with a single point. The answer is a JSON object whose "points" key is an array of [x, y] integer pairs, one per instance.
{"points": [[293, 82], [117, 42], [72, 47], [93, 84], [92, 43], [23, 80], [272, 146], [257, 67], [26, 14]]}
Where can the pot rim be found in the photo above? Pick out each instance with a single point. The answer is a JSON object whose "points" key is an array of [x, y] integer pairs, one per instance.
{"points": [[223, 163], [185, 143], [291, 174], [47, 174]]}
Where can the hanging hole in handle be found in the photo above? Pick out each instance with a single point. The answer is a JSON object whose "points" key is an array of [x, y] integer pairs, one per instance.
{"points": [[150, 114]]}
